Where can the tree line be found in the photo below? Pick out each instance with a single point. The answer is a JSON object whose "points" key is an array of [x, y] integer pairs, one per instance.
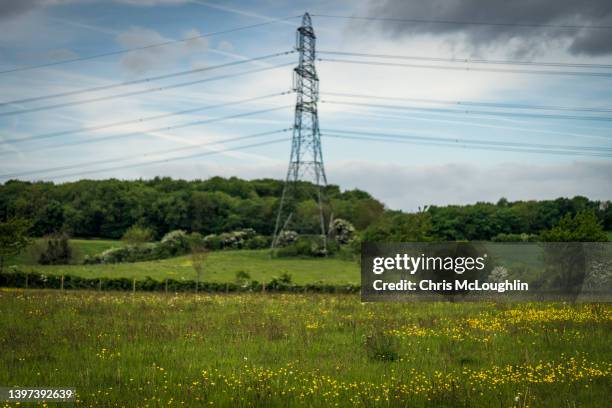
{"points": [[108, 208]]}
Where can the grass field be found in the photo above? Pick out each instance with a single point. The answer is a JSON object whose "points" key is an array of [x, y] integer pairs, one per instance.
{"points": [[221, 266], [304, 350]]}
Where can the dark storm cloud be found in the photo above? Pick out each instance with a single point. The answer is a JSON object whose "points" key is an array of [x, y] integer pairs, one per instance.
{"points": [[551, 12]]}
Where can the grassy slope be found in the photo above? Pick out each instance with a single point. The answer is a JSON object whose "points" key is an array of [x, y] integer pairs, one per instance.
{"points": [[304, 350], [221, 266]]}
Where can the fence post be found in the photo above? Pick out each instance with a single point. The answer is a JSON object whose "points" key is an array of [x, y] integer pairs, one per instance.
{"points": [[62, 283], [134, 286], [263, 287], [100, 285]]}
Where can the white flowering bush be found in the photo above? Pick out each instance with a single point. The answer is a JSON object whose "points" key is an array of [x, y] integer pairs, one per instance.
{"points": [[286, 238], [342, 231], [244, 238], [599, 277], [172, 244], [498, 274], [175, 242]]}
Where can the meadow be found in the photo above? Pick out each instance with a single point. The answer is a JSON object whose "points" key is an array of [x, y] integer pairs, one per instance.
{"points": [[153, 350], [220, 266]]}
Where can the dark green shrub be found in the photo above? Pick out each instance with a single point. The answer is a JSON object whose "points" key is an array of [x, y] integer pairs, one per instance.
{"points": [[17, 279], [514, 238], [137, 235], [242, 278], [308, 246], [56, 250], [282, 283], [287, 252], [213, 242], [196, 240], [259, 242]]}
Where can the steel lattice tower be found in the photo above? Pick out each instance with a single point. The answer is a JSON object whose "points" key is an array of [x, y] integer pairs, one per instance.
{"points": [[306, 160]]}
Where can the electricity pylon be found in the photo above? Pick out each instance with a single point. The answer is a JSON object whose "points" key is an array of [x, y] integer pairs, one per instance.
{"points": [[306, 160]]}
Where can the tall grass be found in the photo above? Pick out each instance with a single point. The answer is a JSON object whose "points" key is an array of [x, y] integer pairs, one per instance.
{"points": [[303, 350]]}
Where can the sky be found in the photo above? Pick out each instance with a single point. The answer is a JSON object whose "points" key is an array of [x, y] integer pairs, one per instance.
{"points": [[69, 136]]}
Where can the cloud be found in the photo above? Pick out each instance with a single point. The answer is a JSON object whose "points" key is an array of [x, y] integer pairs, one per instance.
{"points": [[408, 187], [195, 41], [521, 40], [140, 61]]}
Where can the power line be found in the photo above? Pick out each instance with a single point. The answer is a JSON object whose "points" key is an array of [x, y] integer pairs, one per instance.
{"points": [[476, 141], [144, 80], [140, 120], [130, 157], [462, 122], [472, 103], [459, 143], [126, 50], [178, 158], [159, 129], [470, 60], [142, 92], [457, 22], [476, 112], [476, 69]]}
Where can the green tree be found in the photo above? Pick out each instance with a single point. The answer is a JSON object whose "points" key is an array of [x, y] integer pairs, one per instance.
{"points": [[50, 219], [400, 227], [583, 227], [13, 238], [137, 235], [567, 260], [199, 253]]}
